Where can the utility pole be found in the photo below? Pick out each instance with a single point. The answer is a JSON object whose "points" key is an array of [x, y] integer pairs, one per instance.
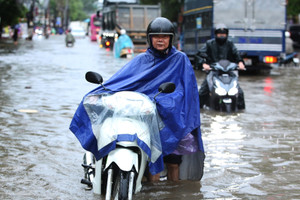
{"points": [[66, 16], [30, 20]]}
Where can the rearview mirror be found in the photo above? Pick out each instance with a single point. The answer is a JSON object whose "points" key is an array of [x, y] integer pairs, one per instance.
{"points": [[93, 77], [167, 87]]}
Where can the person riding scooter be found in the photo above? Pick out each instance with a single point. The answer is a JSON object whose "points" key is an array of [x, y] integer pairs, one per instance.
{"points": [[123, 47], [179, 111], [70, 40], [216, 49]]}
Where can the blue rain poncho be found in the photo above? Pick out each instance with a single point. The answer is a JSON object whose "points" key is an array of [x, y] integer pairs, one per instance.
{"points": [[179, 111]]}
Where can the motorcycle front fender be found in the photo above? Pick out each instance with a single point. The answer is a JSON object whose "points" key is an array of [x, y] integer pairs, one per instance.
{"points": [[124, 158]]}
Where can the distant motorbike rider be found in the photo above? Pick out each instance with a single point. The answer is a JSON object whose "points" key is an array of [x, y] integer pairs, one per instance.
{"points": [[122, 45], [69, 38], [213, 51]]}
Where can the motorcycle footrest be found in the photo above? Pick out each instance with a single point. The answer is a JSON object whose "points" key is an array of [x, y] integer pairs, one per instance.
{"points": [[88, 166], [86, 182]]}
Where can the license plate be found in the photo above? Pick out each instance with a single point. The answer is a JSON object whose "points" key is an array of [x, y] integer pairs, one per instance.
{"points": [[247, 61], [227, 100]]}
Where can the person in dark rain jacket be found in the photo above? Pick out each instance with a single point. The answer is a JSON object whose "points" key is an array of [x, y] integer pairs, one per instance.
{"points": [[213, 51]]}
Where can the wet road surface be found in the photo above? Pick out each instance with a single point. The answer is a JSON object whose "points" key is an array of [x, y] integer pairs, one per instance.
{"points": [[252, 154]]}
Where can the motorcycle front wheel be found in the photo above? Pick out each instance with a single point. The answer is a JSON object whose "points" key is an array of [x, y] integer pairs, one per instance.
{"points": [[121, 186], [228, 108]]}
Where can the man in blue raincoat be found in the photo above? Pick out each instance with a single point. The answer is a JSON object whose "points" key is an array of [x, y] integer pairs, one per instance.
{"points": [[180, 112]]}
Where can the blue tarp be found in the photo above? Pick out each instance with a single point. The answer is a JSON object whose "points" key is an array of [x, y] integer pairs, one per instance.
{"points": [[180, 110]]}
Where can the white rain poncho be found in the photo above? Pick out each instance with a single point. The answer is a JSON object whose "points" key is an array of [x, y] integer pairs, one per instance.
{"points": [[125, 116]]}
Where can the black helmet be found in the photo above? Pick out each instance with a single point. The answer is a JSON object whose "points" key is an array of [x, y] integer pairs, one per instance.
{"points": [[221, 28], [158, 26]]}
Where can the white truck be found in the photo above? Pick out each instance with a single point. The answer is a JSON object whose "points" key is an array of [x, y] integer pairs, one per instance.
{"points": [[132, 17], [257, 27]]}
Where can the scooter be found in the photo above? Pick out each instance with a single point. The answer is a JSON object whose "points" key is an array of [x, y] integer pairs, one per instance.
{"points": [[69, 43], [223, 86], [123, 115], [289, 58], [123, 47], [127, 52]]}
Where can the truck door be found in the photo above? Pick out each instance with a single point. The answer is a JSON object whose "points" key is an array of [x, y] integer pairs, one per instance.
{"points": [[250, 14], [267, 14]]}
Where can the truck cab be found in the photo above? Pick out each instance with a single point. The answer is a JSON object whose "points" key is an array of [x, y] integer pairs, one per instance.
{"points": [[132, 17]]}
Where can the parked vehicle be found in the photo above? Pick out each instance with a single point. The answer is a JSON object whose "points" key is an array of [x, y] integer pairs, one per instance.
{"points": [[295, 33], [132, 118], [258, 36], [132, 17], [95, 26], [78, 32], [223, 86]]}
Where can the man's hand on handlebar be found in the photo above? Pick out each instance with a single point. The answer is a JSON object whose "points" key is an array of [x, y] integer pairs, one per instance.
{"points": [[241, 66], [206, 67]]}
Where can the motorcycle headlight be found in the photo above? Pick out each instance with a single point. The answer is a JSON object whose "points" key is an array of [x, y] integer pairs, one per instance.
{"points": [[219, 90], [233, 91]]}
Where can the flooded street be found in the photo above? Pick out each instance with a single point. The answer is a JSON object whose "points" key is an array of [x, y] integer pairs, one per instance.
{"points": [[254, 154]]}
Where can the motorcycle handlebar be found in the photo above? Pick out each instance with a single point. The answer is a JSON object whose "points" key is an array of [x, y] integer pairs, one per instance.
{"points": [[213, 69]]}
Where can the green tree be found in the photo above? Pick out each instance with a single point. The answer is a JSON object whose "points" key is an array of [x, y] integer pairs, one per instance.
{"points": [[10, 12], [169, 8], [77, 9], [293, 8]]}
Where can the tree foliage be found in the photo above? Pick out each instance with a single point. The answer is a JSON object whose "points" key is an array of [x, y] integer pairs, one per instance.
{"points": [[293, 7], [77, 9], [169, 8], [11, 11]]}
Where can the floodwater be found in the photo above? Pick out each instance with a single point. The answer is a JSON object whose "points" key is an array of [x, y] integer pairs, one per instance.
{"points": [[254, 154]]}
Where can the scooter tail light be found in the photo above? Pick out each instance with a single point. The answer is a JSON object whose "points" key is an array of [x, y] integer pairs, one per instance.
{"points": [[107, 43]]}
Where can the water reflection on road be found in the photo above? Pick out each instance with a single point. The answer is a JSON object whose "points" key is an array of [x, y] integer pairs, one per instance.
{"points": [[252, 154]]}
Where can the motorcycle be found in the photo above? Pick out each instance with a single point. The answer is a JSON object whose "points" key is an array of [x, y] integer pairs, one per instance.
{"points": [[130, 120], [69, 44], [289, 58], [69, 40], [223, 86], [123, 47]]}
